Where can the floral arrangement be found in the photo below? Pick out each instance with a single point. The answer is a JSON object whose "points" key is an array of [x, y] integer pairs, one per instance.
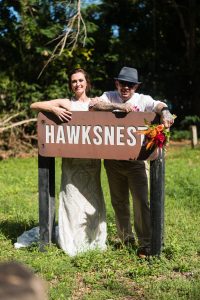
{"points": [[156, 136]]}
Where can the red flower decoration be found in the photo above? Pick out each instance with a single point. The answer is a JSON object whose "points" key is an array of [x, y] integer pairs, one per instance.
{"points": [[160, 139], [156, 136]]}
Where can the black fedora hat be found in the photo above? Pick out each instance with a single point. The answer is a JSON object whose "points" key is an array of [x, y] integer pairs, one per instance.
{"points": [[128, 74]]}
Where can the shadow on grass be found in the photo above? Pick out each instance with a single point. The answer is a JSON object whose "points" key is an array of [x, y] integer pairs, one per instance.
{"points": [[12, 229]]}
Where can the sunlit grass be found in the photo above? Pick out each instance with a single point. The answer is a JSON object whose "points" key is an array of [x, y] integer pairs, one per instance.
{"points": [[115, 273]]}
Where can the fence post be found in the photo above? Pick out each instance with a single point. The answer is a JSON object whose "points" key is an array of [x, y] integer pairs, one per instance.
{"points": [[157, 199], [194, 137], [46, 184]]}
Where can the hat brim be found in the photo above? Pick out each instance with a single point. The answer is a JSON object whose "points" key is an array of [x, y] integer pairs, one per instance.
{"points": [[123, 79]]}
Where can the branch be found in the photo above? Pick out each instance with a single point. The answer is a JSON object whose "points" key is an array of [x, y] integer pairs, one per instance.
{"points": [[182, 22], [10, 118], [17, 124], [75, 28]]}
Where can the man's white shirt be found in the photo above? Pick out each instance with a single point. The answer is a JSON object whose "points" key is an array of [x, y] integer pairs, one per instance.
{"points": [[140, 101]]}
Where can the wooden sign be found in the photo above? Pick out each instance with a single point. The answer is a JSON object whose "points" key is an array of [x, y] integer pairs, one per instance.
{"points": [[97, 135], [106, 135]]}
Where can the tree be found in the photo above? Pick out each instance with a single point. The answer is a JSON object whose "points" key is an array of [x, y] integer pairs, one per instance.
{"points": [[160, 38]]}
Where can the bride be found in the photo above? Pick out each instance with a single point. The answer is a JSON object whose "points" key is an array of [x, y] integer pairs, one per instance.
{"points": [[82, 215]]}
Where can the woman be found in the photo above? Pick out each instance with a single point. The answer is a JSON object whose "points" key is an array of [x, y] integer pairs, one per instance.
{"points": [[82, 217]]}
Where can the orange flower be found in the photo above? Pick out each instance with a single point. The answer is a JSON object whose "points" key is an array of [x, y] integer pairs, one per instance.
{"points": [[150, 144], [156, 136], [152, 133], [160, 127]]}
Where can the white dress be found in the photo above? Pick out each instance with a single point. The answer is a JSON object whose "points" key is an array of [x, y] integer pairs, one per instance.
{"points": [[82, 215]]}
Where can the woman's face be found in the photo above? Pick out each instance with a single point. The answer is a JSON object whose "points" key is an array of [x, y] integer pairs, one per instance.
{"points": [[78, 83]]}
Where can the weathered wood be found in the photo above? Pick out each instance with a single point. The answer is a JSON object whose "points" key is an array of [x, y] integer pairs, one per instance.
{"points": [[46, 183], [98, 134], [157, 199], [194, 138]]}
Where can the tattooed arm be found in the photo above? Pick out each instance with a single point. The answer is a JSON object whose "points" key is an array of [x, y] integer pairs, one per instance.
{"points": [[97, 104], [166, 117]]}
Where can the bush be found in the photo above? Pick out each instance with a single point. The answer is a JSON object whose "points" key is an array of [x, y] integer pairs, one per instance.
{"points": [[179, 135], [190, 120]]}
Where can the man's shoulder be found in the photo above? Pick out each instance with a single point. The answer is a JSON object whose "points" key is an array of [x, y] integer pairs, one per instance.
{"points": [[111, 93], [142, 97], [112, 96]]}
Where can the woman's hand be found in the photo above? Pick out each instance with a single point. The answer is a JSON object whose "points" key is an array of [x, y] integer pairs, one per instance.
{"points": [[62, 113]]}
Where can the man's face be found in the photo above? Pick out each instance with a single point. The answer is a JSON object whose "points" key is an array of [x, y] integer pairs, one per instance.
{"points": [[126, 89]]}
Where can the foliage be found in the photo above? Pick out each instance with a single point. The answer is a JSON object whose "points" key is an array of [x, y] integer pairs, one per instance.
{"points": [[183, 129], [116, 273], [179, 135], [158, 38], [190, 120], [27, 33]]}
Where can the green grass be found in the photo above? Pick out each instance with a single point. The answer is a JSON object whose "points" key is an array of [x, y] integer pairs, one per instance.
{"points": [[115, 273]]}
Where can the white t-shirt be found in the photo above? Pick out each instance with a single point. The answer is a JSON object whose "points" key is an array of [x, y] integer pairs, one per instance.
{"points": [[140, 101]]}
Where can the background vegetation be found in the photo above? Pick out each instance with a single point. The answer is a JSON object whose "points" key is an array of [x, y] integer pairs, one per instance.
{"points": [[160, 38], [116, 273]]}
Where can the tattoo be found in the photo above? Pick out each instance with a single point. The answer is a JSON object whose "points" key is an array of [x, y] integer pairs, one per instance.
{"points": [[105, 106], [167, 115], [158, 108]]}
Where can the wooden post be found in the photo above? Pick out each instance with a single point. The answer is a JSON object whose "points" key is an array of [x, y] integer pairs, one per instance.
{"points": [[194, 138], [157, 197], [46, 183]]}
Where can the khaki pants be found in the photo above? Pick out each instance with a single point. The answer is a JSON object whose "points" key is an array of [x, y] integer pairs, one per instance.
{"points": [[122, 177]]}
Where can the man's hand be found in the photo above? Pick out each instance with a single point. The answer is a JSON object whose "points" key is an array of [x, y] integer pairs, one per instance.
{"points": [[167, 119], [128, 107], [63, 114]]}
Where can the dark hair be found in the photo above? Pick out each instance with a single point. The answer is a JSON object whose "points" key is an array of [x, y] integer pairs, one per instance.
{"points": [[87, 78], [17, 281]]}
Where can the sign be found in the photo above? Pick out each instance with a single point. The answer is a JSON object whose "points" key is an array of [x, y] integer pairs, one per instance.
{"points": [[106, 135]]}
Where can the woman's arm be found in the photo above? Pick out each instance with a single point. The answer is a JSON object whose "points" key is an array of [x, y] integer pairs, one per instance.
{"points": [[60, 107]]}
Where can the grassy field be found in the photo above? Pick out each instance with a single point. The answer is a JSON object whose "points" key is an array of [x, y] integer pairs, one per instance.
{"points": [[115, 273]]}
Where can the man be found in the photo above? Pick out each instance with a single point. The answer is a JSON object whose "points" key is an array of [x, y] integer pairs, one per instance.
{"points": [[131, 175]]}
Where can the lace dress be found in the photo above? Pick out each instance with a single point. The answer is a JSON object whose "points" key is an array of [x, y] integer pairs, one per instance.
{"points": [[82, 214], [82, 218]]}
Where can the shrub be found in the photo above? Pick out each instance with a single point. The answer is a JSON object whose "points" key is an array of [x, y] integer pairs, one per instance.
{"points": [[190, 120], [179, 135]]}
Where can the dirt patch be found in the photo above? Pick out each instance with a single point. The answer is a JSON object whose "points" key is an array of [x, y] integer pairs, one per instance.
{"points": [[180, 143], [81, 288], [18, 152]]}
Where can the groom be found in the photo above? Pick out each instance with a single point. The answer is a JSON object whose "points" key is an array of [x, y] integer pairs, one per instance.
{"points": [[125, 176]]}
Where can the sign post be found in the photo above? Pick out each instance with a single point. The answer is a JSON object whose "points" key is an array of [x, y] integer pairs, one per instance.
{"points": [[103, 135], [157, 199], [46, 184]]}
